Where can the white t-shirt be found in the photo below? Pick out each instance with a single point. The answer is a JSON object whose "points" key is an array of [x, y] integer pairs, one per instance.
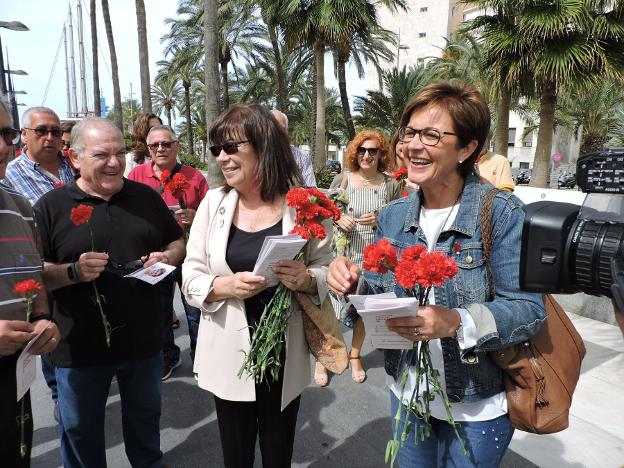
{"points": [[433, 222]]}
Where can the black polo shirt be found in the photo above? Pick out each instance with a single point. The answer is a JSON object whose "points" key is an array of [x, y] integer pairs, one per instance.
{"points": [[133, 223]]}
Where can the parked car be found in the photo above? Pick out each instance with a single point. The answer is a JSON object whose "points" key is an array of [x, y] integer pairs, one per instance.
{"points": [[566, 180], [523, 177], [333, 165]]}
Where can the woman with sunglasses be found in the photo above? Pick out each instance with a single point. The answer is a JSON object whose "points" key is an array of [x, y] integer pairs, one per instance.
{"points": [[443, 130], [230, 226], [363, 190]]}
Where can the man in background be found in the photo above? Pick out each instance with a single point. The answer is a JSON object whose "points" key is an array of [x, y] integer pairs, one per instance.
{"points": [[302, 158]]}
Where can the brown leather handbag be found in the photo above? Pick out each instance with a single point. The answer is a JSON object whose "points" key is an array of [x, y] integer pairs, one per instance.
{"points": [[540, 374]]}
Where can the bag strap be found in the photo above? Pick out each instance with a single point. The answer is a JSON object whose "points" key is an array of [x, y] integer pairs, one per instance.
{"points": [[344, 180], [486, 236]]}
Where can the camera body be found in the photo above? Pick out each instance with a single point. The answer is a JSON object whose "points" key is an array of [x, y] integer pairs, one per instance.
{"points": [[567, 248]]}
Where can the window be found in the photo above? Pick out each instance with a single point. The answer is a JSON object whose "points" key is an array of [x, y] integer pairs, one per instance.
{"points": [[511, 140], [422, 34], [524, 165], [421, 61], [527, 141], [423, 9]]}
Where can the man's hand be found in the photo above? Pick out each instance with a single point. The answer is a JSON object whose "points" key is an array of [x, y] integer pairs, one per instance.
{"points": [[155, 257], [187, 215], [342, 275], [14, 334], [90, 265], [48, 340]]}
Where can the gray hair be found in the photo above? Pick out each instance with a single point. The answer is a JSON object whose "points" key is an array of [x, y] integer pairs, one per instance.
{"points": [[4, 105], [162, 127], [278, 113], [79, 130], [36, 110]]}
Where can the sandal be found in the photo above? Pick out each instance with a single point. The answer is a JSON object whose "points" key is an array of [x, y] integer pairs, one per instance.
{"points": [[320, 378], [357, 376]]}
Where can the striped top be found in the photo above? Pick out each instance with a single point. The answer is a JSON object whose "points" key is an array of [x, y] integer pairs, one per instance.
{"points": [[30, 180], [19, 252], [304, 162]]}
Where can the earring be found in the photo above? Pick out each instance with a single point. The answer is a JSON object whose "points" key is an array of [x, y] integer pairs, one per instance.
{"points": [[460, 161]]}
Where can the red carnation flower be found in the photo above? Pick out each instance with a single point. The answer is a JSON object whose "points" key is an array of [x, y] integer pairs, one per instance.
{"points": [[408, 273], [81, 214], [164, 176], [58, 184], [400, 175], [413, 253], [380, 257], [456, 247], [435, 269], [404, 193], [27, 287]]}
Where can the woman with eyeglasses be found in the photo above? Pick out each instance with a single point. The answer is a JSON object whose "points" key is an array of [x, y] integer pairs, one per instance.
{"points": [[361, 192], [230, 226], [443, 130], [139, 153]]}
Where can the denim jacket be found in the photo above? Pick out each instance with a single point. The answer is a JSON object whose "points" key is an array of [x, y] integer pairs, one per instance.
{"points": [[511, 317]]}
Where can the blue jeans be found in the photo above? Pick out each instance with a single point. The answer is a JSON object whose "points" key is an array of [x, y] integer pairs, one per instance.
{"points": [[171, 351], [486, 442], [82, 395]]}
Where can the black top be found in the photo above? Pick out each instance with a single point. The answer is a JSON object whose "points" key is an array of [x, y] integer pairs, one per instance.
{"points": [[241, 255], [133, 223]]}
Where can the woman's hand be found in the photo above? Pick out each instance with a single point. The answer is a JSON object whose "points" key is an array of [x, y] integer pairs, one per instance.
{"points": [[346, 223], [186, 215], [431, 322], [294, 275], [343, 275], [368, 219], [244, 284]]}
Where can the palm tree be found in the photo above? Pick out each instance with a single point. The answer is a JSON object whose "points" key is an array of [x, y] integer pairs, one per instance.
{"points": [[557, 43], [382, 110], [146, 100], [166, 93], [114, 68], [94, 55], [211, 59]]}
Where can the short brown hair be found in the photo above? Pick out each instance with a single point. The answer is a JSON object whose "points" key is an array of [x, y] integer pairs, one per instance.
{"points": [[66, 127], [351, 158], [465, 106], [277, 169]]}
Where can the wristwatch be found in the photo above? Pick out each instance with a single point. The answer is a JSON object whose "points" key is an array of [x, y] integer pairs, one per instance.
{"points": [[72, 273]]}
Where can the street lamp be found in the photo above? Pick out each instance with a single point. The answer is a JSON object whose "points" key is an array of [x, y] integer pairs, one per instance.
{"points": [[14, 26], [15, 72], [20, 92], [400, 47]]}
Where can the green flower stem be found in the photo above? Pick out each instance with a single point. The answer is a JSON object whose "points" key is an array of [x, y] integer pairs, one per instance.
{"points": [[22, 418], [99, 299], [419, 404], [267, 339]]}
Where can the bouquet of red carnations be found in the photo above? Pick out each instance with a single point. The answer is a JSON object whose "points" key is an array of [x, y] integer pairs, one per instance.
{"points": [[417, 271], [267, 340]]}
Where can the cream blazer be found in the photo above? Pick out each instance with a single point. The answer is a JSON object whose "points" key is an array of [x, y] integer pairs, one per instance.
{"points": [[224, 336]]}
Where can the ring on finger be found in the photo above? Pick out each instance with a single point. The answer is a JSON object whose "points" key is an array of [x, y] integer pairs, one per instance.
{"points": [[416, 331]]}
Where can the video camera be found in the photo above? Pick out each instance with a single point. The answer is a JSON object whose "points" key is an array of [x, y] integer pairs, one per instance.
{"points": [[567, 248]]}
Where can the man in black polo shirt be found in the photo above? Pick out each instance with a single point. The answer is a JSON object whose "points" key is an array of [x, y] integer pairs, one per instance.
{"points": [[130, 222]]}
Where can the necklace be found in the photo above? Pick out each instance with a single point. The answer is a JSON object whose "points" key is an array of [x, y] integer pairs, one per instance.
{"points": [[366, 181], [449, 213]]}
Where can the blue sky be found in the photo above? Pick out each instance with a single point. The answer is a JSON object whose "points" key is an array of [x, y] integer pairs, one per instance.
{"points": [[34, 51]]}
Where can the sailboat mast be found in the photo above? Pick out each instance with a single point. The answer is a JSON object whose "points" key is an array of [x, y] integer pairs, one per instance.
{"points": [[69, 113], [83, 83], [72, 64]]}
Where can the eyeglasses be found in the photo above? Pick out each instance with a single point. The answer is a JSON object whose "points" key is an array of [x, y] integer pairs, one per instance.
{"points": [[10, 135], [428, 136], [229, 148], [43, 131], [361, 151], [66, 144], [164, 144]]}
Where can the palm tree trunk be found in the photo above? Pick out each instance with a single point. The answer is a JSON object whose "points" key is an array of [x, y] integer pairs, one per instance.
{"points": [[211, 76], [168, 108], [319, 134], [344, 98], [226, 87], [114, 68], [146, 98], [94, 54], [313, 107], [189, 124], [282, 94], [503, 107], [541, 162]]}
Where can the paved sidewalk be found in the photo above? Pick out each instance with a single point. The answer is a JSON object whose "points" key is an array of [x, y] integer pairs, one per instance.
{"points": [[347, 424]]}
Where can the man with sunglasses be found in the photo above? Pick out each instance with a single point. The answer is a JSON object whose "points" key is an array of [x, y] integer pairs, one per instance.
{"points": [[163, 146], [129, 221], [42, 166]]}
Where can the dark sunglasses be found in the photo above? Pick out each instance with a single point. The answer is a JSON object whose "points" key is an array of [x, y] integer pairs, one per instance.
{"points": [[43, 131], [229, 148], [361, 151], [164, 144], [10, 135]]}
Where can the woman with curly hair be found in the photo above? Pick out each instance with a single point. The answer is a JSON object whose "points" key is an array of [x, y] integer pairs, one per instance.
{"points": [[361, 191], [139, 154]]}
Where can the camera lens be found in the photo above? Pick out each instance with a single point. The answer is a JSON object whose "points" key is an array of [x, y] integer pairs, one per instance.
{"points": [[591, 250]]}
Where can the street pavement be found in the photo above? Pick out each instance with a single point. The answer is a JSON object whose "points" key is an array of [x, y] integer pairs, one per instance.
{"points": [[346, 424]]}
